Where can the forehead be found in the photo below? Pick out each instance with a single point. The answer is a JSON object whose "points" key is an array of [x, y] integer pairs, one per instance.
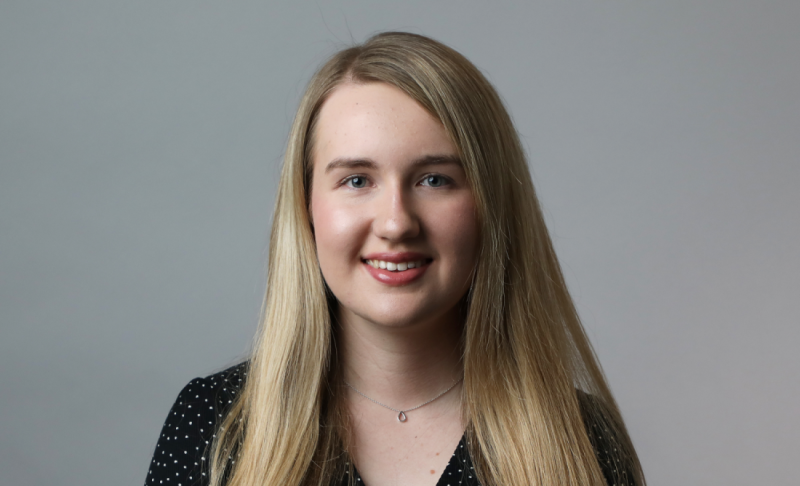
{"points": [[376, 120]]}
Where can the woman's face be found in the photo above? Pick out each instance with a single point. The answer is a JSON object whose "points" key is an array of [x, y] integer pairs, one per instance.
{"points": [[394, 218]]}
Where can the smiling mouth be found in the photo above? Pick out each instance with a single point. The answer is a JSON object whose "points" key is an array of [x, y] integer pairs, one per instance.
{"points": [[398, 267]]}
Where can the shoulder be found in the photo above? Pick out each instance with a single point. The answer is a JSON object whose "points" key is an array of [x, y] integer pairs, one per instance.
{"points": [[218, 390], [182, 450], [607, 446]]}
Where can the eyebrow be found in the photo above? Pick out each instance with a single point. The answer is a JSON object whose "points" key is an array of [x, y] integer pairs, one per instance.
{"points": [[345, 163]]}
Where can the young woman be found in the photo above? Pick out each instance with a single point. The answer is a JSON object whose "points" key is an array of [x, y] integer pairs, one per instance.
{"points": [[416, 328]]}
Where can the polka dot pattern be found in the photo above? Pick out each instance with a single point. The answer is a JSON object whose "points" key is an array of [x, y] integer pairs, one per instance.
{"points": [[459, 470], [181, 457], [605, 447], [182, 453]]}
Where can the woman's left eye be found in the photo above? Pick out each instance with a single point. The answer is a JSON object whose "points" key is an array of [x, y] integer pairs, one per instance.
{"points": [[435, 180]]}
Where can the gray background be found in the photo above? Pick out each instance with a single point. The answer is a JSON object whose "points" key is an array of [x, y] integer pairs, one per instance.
{"points": [[139, 148]]}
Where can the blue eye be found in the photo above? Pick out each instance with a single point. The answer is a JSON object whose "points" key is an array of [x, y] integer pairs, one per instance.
{"points": [[434, 180], [357, 182]]}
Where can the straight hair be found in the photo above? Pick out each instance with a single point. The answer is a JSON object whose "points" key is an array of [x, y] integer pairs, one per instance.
{"points": [[533, 389]]}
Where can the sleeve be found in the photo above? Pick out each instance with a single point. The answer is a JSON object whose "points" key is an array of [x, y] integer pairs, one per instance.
{"points": [[182, 453]]}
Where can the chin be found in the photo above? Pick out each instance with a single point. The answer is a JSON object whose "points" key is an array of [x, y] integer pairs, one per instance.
{"points": [[390, 319], [400, 316]]}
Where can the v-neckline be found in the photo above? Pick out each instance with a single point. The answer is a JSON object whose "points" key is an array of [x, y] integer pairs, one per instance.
{"points": [[458, 472]]}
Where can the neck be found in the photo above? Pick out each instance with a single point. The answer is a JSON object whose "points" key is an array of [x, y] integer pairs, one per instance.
{"points": [[401, 366]]}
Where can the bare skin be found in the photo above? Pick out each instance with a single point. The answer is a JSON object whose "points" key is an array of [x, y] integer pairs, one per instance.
{"points": [[387, 183], [403, 373]]}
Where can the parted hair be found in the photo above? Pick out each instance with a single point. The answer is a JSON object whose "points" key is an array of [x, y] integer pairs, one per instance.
{"points": [[527, 360]]}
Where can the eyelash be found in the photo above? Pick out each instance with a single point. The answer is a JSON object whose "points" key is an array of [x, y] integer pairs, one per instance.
{"points": [[446, 180]]}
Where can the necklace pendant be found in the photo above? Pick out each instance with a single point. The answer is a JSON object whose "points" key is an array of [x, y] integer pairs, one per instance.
{"points": [[401, 417]]}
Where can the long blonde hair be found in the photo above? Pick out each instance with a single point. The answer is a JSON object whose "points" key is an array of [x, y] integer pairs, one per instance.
{"points": [[525, 351]]}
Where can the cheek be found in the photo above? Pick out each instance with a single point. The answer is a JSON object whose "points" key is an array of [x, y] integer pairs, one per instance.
{"points": [[458, 232], [337, 231]]}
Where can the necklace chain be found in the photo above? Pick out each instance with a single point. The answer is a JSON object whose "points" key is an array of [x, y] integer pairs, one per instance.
{"points": [[401, 414]]}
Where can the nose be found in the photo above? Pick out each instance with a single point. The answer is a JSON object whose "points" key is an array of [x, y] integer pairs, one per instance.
{"points": [[395, 216]]}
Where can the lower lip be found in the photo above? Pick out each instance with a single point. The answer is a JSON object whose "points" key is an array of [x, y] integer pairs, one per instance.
{"points": [[395, 278]]}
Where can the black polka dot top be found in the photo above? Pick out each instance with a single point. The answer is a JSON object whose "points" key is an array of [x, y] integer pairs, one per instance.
{"points": [[182, 454]]}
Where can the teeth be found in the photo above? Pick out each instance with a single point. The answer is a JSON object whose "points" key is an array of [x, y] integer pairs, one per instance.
{"points": [[394, 267]]}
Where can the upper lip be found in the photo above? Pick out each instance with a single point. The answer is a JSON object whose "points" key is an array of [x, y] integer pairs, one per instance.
{"points": [[397, 257]]}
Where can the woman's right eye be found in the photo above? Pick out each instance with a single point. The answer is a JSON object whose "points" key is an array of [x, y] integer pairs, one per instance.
{"points": [[357, 182]]}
